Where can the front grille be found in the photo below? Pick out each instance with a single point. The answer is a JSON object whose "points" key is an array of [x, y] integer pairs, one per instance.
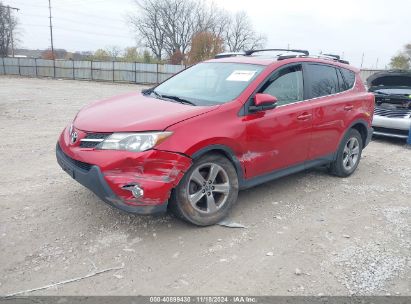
{"points": [[99, 137], [79, 164], [392, 113], [391, 131]]}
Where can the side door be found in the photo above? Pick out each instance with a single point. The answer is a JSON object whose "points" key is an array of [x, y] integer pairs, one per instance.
{"points": [[331, 106], [278, 138]]}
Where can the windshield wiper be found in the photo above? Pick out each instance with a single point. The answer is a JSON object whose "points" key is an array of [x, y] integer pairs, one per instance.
{"points": [[151, 91], [158, 95], [178, 99]]}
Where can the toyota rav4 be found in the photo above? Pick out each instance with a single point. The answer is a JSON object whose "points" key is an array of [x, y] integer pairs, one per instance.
{"points": [[226, 124]]}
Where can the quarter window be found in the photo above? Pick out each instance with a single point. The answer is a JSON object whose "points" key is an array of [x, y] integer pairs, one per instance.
{"points": [[323, 80], [286, 85], [349, 78]]}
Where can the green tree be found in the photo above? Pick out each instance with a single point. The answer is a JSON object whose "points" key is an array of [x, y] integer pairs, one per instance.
{"points": [[205, 45], [101, 54], [131, 54], [148, 58], [402, 60]]}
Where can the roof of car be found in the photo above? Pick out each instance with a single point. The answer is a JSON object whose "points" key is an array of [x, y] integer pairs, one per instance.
{"points": [[260, 60]]}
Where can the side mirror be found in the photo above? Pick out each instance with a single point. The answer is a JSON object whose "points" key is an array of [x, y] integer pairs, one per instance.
{"points": [[263, 102]]}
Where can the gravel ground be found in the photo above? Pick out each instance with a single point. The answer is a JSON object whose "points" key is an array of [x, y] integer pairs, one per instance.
{"points": [[306, 234]]}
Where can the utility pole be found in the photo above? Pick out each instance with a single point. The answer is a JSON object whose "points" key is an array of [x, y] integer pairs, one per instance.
{"points": [[51, 31], [52, 44], [11, 26], [362, 60]]}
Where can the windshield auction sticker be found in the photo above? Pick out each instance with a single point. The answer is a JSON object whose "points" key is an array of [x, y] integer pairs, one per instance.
{"points": [[241, 76]]}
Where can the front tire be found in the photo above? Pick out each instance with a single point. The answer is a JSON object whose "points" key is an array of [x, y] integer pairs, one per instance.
{"points": [[348, 155], [207, 191]]}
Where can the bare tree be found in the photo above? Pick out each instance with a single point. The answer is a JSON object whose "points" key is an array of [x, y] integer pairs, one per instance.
{"points": [[6, 28], [407, 49], [240, 34], [212, 19], [148, 24], [179, 24], [167, 27]]}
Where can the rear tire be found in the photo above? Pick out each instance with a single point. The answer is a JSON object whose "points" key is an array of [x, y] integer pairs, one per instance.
{"points": [[207, 191], [348, 155]]}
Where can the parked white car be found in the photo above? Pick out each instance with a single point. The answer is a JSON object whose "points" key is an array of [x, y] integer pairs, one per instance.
{"points": [[392, 114]]}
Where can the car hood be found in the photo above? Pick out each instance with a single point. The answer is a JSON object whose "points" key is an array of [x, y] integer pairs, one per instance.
{"points": [[134, 112], [389, 79]]}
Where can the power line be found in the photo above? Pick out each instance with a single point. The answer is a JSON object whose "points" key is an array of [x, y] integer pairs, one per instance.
{"points": [[74, 30], [90, 33], [59, 8], [77, 11], [77, 31], [76, 21], [91, 23], [92, 15], [33, 5]]}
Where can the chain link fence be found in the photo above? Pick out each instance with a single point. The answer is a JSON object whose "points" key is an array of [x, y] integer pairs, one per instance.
{"points": [[114, 71]]}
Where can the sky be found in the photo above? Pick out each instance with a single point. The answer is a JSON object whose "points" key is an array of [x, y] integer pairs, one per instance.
{"points": [[376, 28]]}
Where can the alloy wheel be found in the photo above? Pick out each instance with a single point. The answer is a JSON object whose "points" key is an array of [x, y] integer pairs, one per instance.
{"points": [[208, 188], [351, 153]]}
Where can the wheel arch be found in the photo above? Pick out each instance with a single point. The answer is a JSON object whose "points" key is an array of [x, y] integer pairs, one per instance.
{"points": [[362, 127], [225, 151]]}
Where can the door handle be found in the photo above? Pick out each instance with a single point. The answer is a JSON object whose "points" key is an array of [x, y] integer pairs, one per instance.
{"points": [[348, 108], [304, 116]]}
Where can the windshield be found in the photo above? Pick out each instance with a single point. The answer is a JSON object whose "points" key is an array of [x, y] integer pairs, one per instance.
{"points": [[209, 83]]}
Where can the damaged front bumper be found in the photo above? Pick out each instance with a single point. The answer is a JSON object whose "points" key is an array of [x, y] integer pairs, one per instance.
{"points": [[112, 174]]}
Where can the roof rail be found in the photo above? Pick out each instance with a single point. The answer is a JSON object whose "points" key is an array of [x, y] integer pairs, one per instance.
{"points": [[334, 58], [250, 52], [229, 54], [286, 55]]}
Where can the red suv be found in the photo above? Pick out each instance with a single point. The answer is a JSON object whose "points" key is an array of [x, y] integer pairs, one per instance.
{"points": [[192, 142]]}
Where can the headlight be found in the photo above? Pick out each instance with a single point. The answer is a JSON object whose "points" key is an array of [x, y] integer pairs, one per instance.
{"points": [[134, 142]]}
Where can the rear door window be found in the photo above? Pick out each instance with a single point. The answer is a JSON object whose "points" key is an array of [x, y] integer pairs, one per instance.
{"points": [[323, 80]]}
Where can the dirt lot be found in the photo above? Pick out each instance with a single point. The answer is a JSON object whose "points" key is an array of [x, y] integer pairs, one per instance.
{"points": [[306, 234]]}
